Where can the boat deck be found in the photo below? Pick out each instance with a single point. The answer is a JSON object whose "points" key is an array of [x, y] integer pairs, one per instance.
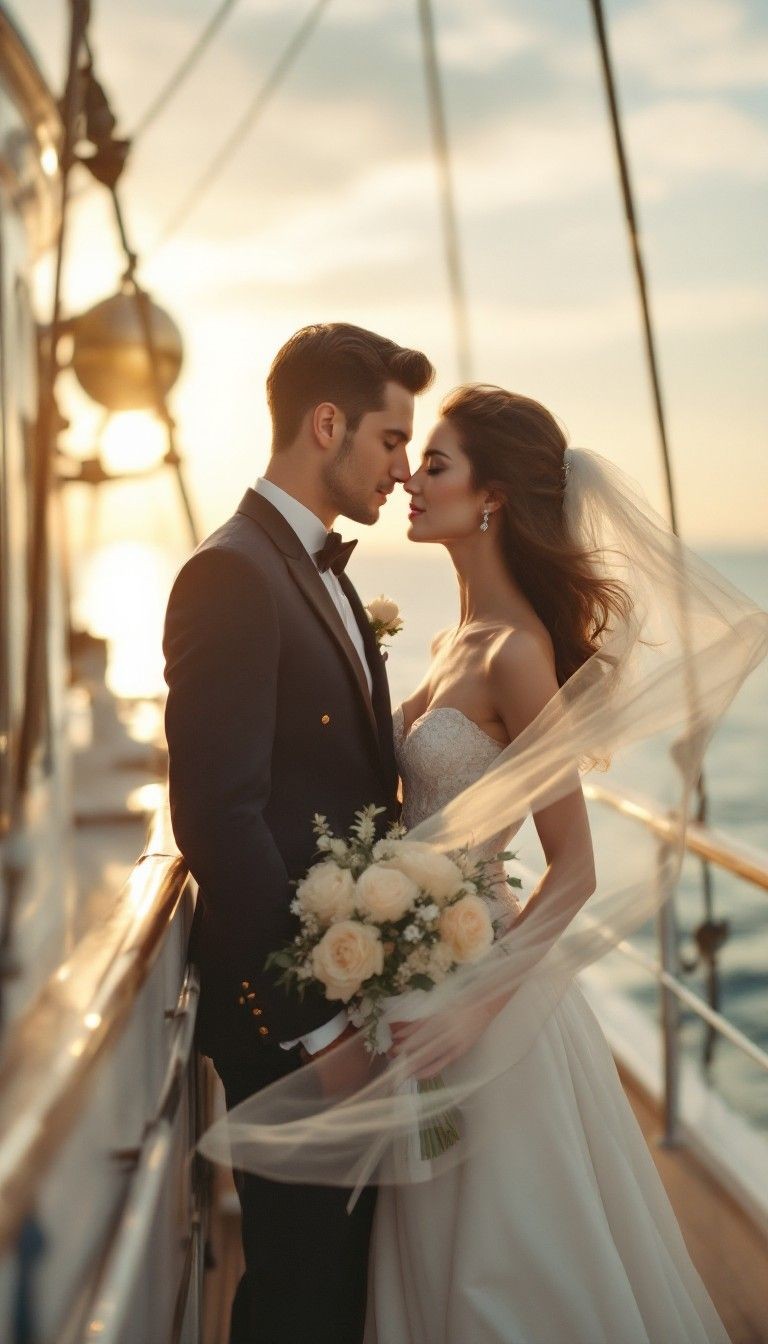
{"points": [[729, 1251]]}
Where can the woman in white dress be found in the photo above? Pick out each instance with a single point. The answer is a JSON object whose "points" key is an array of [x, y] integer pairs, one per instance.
{"points": [[585, 629], [557, 1229]]}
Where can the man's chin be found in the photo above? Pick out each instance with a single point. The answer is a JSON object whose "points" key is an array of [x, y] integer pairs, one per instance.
{"points": [[365, 514]]}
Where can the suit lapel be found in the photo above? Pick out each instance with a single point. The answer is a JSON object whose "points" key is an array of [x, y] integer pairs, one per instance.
{"points": [[305, 574], [382, 706]]}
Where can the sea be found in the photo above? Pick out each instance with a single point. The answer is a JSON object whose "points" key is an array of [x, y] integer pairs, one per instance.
{"points": [[422, 582]]}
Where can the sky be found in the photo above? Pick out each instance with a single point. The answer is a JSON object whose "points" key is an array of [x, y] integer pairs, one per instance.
{"points": [[329, 211]]}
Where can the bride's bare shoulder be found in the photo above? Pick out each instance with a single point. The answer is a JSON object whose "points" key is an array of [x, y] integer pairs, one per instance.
{"points": [[522, 654], [521, 677]]}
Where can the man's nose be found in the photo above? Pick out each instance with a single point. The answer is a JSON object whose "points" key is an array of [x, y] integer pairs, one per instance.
{"points": [[399, 468]]}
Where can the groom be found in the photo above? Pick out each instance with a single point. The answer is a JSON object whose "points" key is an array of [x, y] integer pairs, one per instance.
{"points": [[278, 708]]}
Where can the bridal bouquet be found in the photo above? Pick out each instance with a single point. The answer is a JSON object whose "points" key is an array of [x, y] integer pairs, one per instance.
{"points": [[380, 918]]}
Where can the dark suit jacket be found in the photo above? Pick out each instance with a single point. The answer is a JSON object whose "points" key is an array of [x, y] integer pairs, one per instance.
{"points": [[268, 721]]}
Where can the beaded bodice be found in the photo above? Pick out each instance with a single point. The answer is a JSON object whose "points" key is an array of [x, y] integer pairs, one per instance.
{"points": [[443, 753]]}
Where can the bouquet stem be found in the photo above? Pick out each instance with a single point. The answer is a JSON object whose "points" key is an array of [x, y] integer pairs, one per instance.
{"points": [[442, 1131]]}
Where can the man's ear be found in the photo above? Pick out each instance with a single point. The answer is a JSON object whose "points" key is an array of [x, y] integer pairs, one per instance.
{"points": [[328, 424]]}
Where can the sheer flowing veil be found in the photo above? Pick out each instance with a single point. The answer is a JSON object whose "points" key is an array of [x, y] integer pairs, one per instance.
{"points": [[662, 678]]}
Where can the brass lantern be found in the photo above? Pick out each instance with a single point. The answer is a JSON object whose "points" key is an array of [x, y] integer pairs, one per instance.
{"points": [[110, 357]]}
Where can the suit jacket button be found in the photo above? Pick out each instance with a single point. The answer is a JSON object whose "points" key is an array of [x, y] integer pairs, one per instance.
{"points": [[246, 984], [263, 1031], [326, 719], [240, 999], [256, 1012]]}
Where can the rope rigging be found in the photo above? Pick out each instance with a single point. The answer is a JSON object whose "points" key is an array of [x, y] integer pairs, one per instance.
{"points": [[450, 227], [712, 933], [244, 126]]}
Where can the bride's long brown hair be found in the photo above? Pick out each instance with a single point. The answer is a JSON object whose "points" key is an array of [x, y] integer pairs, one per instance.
{"points": [[516, 448]]}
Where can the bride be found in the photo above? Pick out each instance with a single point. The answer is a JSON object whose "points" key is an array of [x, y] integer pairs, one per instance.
{"points": [[558, 1230], [586, 630]]}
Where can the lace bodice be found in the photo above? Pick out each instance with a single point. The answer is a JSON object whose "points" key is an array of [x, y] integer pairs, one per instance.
{"points": [[443, 753], [440, 756]]}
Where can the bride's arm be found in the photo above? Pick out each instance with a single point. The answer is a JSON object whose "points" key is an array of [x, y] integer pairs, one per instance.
{"points": [[522, 680]]}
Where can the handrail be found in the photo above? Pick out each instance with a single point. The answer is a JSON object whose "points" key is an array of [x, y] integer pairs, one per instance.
{"points": [[53, 1049], [119, 1278], [743, 861], [695, 1003], [733, 856]]}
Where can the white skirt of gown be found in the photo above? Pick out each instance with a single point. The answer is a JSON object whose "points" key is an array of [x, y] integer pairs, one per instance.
{"points": [[556, 1229]]}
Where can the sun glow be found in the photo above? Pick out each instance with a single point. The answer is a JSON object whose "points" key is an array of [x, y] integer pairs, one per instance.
{"points": [[49, 160], [132, 441], [122, 599]]}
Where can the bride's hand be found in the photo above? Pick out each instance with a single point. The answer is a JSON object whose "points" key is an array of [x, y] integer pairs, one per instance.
{"points": [[453, 1038], [341, 1072]]}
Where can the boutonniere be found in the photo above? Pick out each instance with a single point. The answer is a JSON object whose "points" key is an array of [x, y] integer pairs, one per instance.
{"points": [[385, 618]]}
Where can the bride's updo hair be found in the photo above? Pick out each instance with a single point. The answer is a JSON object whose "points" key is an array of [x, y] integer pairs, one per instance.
{"points": [[516, 448]]}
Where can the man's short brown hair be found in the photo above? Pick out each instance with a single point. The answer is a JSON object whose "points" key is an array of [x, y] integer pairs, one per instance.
{"points": [[336, 362]]}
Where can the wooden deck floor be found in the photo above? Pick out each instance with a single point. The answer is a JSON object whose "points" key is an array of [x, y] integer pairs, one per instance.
{"points": [[730, 1253]]}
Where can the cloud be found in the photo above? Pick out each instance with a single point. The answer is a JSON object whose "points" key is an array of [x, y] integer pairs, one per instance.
{"points": [[702, 45], [550, 326], [681, 140], [482, 36]]}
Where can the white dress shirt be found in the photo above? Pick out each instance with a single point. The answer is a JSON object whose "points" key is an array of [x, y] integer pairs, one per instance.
{"points": [[312, 534]]}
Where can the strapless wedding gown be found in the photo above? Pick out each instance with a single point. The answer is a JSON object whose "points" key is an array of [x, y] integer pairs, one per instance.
{"points": [[557, 1230]]}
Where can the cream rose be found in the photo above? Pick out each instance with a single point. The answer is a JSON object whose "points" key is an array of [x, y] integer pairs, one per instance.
{"points": [[440, 962], [432, 871], [383, 610], [328, 892], [385, 893], [348, 954], [466, 928]]}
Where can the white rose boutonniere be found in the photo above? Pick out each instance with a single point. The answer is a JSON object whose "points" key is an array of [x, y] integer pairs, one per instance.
{"points": [[384, 615]]}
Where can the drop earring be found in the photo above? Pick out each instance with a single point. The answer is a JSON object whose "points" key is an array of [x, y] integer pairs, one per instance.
{"points": [[484, 524]]}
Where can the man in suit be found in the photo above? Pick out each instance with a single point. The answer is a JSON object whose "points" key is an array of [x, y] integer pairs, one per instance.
{"points": [[278, 708]]}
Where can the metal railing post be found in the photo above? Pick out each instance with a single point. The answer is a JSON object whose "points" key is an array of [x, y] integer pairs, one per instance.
{"points": [[668, 941]]}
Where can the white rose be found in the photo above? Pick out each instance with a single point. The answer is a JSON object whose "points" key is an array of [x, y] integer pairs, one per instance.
{"points": [[383, 610], [385, 894], [348, 953], [432, 871], [466, 929], [328, 892]]}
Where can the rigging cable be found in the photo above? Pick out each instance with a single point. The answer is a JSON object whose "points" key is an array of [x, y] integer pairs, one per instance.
{"points": [[445, 181], [169, 89], [246, 123], [712, 933]]}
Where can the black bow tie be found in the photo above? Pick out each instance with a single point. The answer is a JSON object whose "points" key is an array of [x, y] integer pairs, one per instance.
{"points": [[335, 553]]}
